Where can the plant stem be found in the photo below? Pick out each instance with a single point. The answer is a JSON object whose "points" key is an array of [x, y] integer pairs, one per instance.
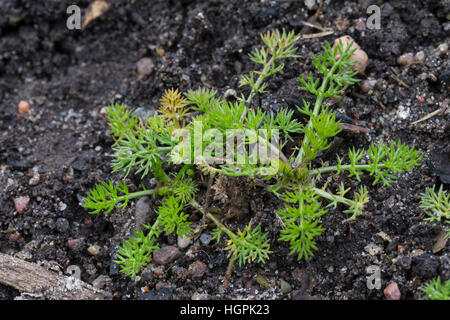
{"points": [[216, 221], [344, 167], [258, 84], [332, 197], [317, 105], [137, 194]]}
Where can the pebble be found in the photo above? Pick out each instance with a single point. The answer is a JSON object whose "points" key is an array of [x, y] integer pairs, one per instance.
{"points": [[184, 242], [285, 287], [147, 274], [101, 281], [426, 266], [199, 296], [14, 237], [73, 243], [35, 179], [114, 268], [166, 254], [373, 249], [94, 250], [142, 212], [310, 4], [23, 107], [78, 164], [367, 85], [392, 292], [441, 49], [144, 66], [21, 203], [230, 94], [197, 269], [62, 225], [359, 55], [205, 239], [407, 59]]}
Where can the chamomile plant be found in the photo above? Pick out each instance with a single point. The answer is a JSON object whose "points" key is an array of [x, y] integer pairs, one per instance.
{"points": [[237, 140], [436, 290], [437, 207]]}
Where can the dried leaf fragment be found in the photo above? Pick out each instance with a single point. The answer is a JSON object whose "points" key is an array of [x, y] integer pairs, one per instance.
{"points": [[95, 10]]}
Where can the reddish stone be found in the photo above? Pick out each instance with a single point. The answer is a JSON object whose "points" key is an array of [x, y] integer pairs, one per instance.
{"points": [[21, 203], [392, 292], [73, 243], [166, 254], [197, 269]]}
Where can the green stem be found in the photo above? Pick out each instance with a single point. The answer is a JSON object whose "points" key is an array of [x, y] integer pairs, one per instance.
{"points": [[332, 197], [258, 83], [347, 167], [317, 105], [137, 194], [216, 221]]}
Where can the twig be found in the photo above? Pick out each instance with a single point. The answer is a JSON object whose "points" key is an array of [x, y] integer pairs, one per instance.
{"points": [[432, 114], [312, 25]]}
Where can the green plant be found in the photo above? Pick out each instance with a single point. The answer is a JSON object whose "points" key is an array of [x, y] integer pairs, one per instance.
{"points": [[437, 206], [436, 291], [146, 147]]}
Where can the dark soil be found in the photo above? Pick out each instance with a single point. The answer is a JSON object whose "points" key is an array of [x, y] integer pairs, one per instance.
{"points": [[68, 76]]}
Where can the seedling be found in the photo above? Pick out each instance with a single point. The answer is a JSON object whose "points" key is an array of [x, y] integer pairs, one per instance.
{"points": [[435, 290], [194, 148], [437, 206]]}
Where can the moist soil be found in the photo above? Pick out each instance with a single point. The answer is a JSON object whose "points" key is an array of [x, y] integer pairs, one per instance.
{"points": [[70, 76]]}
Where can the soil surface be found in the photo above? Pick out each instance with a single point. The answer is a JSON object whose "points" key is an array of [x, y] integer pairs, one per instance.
{"points": [[60, 148]]}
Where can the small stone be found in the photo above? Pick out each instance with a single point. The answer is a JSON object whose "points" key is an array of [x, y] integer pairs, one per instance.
{"points": [[158, 272], [114, 268], [94, 250], [426, 266], [147, 274], [285, 287], [392, 292], [184, 242], [310, 4], [62, 225], [230, 94], [367, 85], [35, 179], [21, 203], [360, 56], [200, 296], [101, 281], [142, 212], [404, 262], [420, 56], [407, 59], [78, 164], [160, 52], [166, 255], [88, 222], [197, 269], [400, 249], [402, 112], [144, 67], [373, 249], [441, 49], [73, 243], [23, 107], [205, 239], [14, 237]]}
